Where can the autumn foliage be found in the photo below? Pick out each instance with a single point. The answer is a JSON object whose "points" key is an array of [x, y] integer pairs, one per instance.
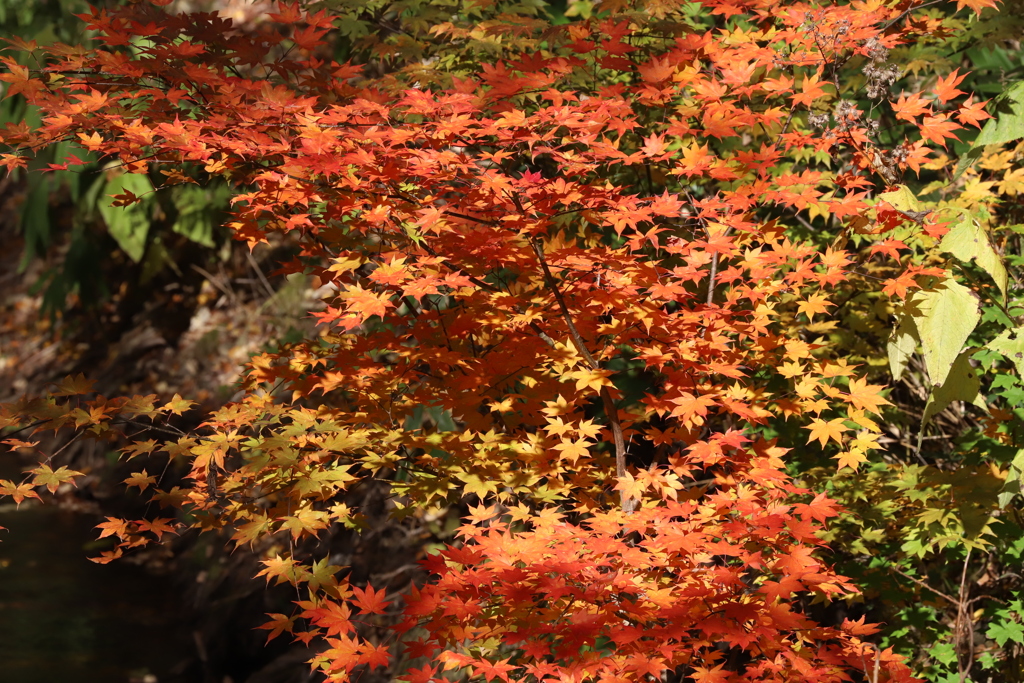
{"points": [[565, 294]]}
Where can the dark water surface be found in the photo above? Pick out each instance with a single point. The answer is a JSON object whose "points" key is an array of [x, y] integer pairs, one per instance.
{"points": [[66, 619]]}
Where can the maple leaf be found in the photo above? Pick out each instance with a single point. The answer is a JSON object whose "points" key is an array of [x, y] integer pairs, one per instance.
{"points": [[593, 379], [654, 146], [18, 492], [717, 674], [825, 431], [851, 459], [811, 90], [157, 527], [909, 108], [816, 303], [52, 479], [13, 161], [976, 5], [889, 246], [492, 670], [866, 396], [141, 479], [423, 674], [140, 448], [632, 489], [73, 386], [973, 113], [656, 70], [278, 624], [819, 509], [643, 665], [279, 568], [573, 450], [18, 443], [368, 600], [108, 556], [945, 88], [177, 405], [375, 655], [938, 128], [859, 628], [113, 526], [364, 303]]}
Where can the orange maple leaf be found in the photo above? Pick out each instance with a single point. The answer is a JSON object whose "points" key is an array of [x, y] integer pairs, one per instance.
{"points": [[976, 5], [945, 88], [632, 488], [368, 600], [973, 113], [810, 90], [938, 128], [816, 303], [909, 108]]}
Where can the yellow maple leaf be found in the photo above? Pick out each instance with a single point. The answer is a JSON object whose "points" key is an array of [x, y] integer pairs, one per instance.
{"points": [[1013, 182], [591, 378], [825, 431], [851, 459], [816, 303], [572, 450], [791, 369], [866, 396]]}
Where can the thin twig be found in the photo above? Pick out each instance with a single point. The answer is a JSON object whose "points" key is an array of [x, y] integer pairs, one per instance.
{"points": [[259, 273], [924, 585], [711, 279], [963, 620]]}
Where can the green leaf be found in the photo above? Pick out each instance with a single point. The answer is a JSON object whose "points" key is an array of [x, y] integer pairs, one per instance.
{"points": [[945, 317], [128, 225], [35, 216], [961, 384], [943, 652], [1011, 485], [194, 218], [1006, 631], [902, 343], [902, 199], [1007, 125], [967, 241], [1011, 345]]}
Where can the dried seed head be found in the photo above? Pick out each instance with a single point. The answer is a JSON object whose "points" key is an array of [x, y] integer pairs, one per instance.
{"points": [[876, 51], [818, 120]]}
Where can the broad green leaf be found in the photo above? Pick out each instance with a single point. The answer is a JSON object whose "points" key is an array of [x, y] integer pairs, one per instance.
{"points": [[35, 216], [961, 384], [902, 343], [968, 240], [1011, 485], [1007, 125], [128, 225], [1010, 344], [902, 199], [945, 317], [193, 220], [197, 208]]}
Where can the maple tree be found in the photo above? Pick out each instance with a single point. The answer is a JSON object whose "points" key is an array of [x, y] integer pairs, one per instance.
{"points": [[567, 294]]}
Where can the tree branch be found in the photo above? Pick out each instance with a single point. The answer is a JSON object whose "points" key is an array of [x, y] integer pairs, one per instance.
{"points": [[618, 440]]}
